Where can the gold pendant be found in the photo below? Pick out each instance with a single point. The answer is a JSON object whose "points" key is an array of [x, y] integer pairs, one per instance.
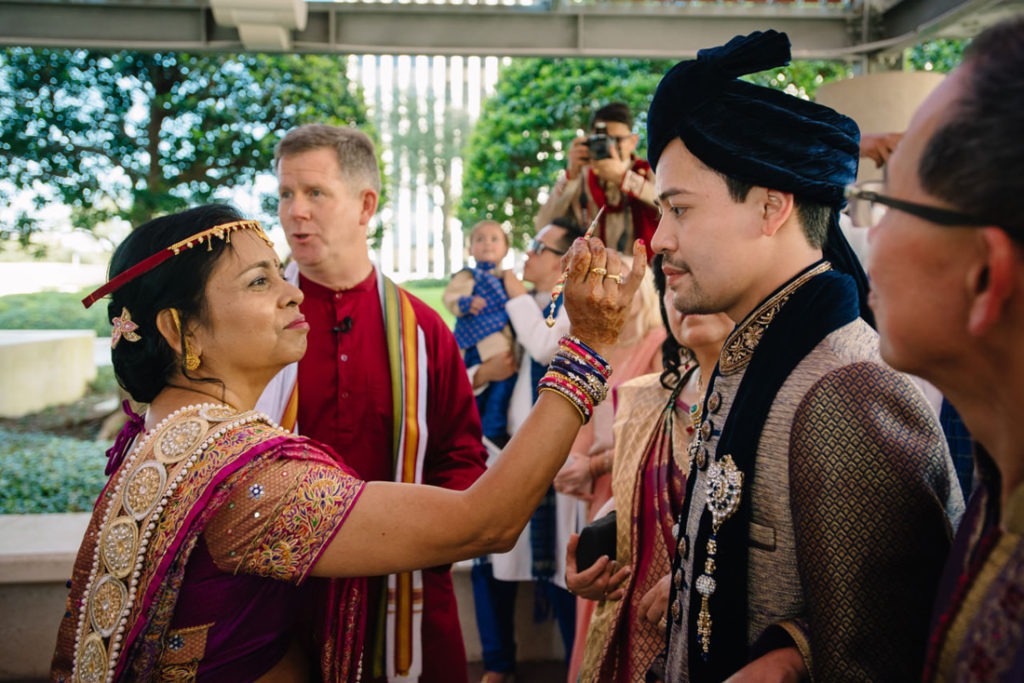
{"points": [[724, 492], [704, 626]]}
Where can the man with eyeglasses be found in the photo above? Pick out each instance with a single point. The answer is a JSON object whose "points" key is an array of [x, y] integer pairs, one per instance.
{"points": [[539, 555], [947, 289], [603, 171], [820, 491]]}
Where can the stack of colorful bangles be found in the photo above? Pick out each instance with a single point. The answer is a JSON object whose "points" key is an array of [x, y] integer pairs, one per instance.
{"points": [[578, 374]]}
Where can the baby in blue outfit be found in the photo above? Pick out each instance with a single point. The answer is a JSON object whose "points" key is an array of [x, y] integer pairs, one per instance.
{"points": [[476, 296]]}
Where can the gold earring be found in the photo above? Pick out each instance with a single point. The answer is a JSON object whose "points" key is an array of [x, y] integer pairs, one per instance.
{"points": [[192, 361]]}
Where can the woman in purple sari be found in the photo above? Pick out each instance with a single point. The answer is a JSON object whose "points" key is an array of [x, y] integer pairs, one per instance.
{"points": [[225, 548]]}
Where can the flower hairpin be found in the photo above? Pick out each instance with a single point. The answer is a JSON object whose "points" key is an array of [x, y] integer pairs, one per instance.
{"points": [[123, 328]]}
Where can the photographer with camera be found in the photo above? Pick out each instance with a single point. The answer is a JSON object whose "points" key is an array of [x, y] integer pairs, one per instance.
{"points": [[603, 171]]}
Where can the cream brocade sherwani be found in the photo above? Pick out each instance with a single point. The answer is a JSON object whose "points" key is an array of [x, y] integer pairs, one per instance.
{"points": [[852, 507]]}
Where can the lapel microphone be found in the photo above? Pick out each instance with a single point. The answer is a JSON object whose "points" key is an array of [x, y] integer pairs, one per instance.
{"points": [[344, 326]]}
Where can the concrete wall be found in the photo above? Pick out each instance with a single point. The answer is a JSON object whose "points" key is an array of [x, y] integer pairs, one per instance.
{"points": [[38, 551], [36, 556], [40, 368], [879, 103]]}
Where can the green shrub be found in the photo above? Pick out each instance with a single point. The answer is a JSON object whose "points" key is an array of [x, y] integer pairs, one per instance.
{"points": [[432, 294], [105, 382], [63, 311], [52, 311], [43, 473]]}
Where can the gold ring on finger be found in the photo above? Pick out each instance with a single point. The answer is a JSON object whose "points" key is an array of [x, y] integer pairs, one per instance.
{"points": [[600, 271], [616, 278]]}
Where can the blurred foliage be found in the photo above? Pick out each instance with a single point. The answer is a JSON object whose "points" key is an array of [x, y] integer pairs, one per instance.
{"points": [[19, 230], [43, 473], [942, 55], [517, 148], [105, 382], [63, 311], [130, 135], [802, 78], [52, 311], [50, 460]]}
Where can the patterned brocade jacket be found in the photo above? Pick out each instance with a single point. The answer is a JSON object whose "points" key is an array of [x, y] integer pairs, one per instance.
{"points": [[853, 499]]}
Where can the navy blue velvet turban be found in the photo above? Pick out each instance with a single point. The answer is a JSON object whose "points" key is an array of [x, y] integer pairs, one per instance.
{"points": [[752, 133], [760, 135]]}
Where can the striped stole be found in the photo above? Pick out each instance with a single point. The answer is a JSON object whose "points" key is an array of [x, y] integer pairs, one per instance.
{"points": [[408, 363], [396, 650]]}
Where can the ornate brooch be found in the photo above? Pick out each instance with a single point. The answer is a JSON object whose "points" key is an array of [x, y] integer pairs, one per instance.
{"points": [[724, 492]]}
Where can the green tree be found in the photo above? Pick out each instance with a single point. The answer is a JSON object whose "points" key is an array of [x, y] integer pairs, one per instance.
{"points": [[131, 135], [802, 78], [941, 55], [517, 148]]}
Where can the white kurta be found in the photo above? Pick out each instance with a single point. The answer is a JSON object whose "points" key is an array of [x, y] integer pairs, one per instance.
{"points": [[539, 342]]}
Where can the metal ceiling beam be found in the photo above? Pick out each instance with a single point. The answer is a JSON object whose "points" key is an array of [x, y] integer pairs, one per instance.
{"points": [[630, 31], [928, 18], [910, 22], [575, 32], [636, 29], [262, 24], [104, 24]]}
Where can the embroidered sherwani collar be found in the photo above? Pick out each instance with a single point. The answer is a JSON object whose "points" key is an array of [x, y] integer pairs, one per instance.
{"points": [[740, 345]]}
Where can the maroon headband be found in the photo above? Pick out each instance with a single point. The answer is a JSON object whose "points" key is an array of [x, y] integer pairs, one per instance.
{"points": [[222, 231]]}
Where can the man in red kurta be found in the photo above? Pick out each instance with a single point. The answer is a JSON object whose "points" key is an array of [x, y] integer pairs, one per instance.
{"points": [[329, 187]]}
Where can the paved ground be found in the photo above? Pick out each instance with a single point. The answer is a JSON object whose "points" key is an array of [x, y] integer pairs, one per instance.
{"points": [[528, 672]]}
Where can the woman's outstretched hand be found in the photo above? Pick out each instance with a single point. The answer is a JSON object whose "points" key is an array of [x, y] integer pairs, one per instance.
{"points": [[598, 293]]}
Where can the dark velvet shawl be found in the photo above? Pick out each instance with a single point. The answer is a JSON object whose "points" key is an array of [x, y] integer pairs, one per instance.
{"points": [[823, 304]]}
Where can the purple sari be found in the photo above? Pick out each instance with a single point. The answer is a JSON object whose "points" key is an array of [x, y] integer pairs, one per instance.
{"points": [[197, 557]]}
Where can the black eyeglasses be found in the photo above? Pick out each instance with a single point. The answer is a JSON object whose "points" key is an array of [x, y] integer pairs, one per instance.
{"points": [[866, 207], [537, 247]]}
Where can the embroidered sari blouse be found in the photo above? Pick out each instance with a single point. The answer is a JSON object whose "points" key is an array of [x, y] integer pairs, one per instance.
{"points": [[196, 561], [243, 593]]}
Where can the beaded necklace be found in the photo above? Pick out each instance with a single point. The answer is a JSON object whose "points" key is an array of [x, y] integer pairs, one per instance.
{"points": [[136, 500]]}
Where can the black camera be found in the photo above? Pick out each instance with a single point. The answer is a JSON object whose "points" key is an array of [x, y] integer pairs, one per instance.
{"points": [[599, 142]]}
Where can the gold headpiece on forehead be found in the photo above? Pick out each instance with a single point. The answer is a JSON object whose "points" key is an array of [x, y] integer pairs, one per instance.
{"points": [[222, 231]]}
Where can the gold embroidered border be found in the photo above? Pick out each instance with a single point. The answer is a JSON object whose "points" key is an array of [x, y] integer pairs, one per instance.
{"points": [[955, 638], [156, 529], [739, 347]]}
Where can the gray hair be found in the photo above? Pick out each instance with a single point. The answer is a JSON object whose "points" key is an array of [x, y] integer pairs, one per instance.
{"points": [[357, 157], [975, 160]]}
